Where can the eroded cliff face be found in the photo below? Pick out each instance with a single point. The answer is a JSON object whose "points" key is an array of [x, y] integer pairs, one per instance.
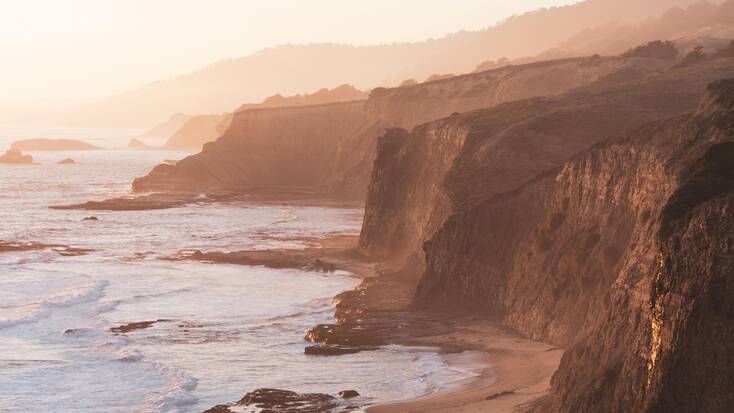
{"points": [[625, 253], [339, 139], [449, 166], [279, 150]]}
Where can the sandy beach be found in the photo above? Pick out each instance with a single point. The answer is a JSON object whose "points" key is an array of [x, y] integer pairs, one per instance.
{"points": [[516, 372], [512, 370]]}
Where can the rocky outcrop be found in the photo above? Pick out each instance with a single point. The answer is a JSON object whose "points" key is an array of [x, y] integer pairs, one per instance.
{"points": [[328, 150], [448, 166], [137, 144], [66, 161], [623, 253], [275, 400], [15, 156], [64, 250], [42, 144]]}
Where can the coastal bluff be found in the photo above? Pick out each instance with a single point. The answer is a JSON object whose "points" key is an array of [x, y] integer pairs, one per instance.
{"points": [[334, 144]]}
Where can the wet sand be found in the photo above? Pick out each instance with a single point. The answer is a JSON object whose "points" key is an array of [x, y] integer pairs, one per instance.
{"points": [[513, 371], [516, 372]]}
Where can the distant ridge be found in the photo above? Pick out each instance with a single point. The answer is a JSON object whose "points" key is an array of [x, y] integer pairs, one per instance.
{"points": [[225, 85]]}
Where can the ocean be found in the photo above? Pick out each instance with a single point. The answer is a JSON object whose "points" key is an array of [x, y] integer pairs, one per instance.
{"points": [[224, 329]]}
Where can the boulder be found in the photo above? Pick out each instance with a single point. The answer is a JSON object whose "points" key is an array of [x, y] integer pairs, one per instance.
{"points": [[348, 394]]}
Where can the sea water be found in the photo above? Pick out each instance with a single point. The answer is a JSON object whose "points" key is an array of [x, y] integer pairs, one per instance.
{"points": [[225, 329]]}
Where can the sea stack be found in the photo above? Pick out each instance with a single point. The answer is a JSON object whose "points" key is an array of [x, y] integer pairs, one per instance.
{"points": [[137, 144], [16, 156]]}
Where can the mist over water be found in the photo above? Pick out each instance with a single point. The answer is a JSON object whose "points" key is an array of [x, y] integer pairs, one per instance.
{"points": [[224, 329]]}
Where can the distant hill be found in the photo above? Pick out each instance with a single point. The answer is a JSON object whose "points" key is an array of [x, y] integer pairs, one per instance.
{"points": [[702, 23], [707, 24], [292, 69]]}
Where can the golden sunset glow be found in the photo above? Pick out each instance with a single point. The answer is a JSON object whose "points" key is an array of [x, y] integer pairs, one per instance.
{"points": [[385, 206]]}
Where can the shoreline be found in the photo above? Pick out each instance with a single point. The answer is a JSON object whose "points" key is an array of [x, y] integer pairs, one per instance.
{"points": [[512, 371]]}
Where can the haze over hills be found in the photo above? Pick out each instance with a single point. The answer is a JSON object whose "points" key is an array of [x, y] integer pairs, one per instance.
{"points": [[703, 22], [560, 220], [293, 69]]}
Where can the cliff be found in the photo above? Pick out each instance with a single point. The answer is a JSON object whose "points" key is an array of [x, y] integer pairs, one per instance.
{"points": [[448, 166], [242, 159], [196, 131], [256, 152], [623, 253]]}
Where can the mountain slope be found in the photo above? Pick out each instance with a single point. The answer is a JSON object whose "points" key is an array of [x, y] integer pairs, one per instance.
{"points": [[227, 84]]}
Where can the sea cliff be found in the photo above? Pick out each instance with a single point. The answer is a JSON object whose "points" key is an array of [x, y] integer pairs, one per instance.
{"points": [[623, 254], [338, 140], [450, 165]]}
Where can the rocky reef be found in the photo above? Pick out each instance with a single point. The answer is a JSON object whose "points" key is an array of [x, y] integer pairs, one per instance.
{"points": [[328, 150], [275, 400]]}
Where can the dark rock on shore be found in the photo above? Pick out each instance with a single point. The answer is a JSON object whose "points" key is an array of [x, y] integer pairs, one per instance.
{"points": [[63, 250], [268, 258], [15, 156], [92, 218], [136, 203], [284, 401], [377, 313], [326, 350], [137, 325], [348, 394]]}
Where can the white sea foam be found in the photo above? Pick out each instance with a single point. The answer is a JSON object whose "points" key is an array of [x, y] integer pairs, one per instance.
{"points": [[233, 328], [175, 396], [33, 311]]}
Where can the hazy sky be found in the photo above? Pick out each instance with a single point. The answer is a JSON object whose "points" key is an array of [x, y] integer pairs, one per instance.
{"points": [[70, 51]]}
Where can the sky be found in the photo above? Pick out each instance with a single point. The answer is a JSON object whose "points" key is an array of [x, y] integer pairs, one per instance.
{"points": [[58, 52]]}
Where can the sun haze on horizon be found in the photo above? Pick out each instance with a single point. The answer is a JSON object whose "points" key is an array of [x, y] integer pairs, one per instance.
{"points": [[64, 52]]}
